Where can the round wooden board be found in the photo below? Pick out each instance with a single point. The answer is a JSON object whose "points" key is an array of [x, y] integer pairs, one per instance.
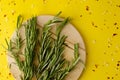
{"points": [[73, 37]]}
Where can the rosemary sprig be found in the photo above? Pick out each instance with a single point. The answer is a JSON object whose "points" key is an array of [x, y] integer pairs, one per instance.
{"points": [[51, 64], [46, 47], [14, 46], [30, 34]]}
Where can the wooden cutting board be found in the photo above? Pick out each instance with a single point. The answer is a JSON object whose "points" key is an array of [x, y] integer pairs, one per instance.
{"points": [[73, 37]]}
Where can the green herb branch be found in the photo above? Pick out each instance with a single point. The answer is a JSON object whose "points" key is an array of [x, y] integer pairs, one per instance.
{"points": [[15, 45], [51, 63]]}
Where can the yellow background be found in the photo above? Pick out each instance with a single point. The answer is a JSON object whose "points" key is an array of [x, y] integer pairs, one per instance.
{"points": [[98, 21]]}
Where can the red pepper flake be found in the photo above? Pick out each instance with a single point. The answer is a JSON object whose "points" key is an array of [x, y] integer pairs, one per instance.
{"points": [[114, 34], [69, 1], [105, 20], [80, 15], [109, 43], [87, 8], [93, 24], [117, 27], [108, 46], [44, 1], [118, 6], [14, 3], [8, 3], [96, 65], [1, 53], [5, 51], [96, 26], [105, 53], [114, 14], [116, 74], [108, 77], [90, 13], [5, 15], [9, 73], [112, 77], [118, 61], [86, 53], [117, 68], [7, 77], [115, 23], [24, 0], [12, 13], [93, 70], [107, 27], [118, 64]]}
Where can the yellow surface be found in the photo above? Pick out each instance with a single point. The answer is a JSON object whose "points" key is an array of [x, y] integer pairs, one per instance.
{"points": [[96, 20]]}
